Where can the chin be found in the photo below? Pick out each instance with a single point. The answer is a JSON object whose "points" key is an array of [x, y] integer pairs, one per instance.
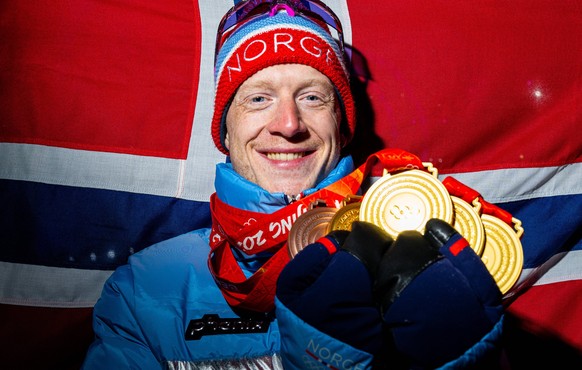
{"points": [[294, 187], [286, 189]]}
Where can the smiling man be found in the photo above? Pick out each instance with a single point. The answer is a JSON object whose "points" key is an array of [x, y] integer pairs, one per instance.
{"points": [[210, 299], [283, 95], [283, 111]]}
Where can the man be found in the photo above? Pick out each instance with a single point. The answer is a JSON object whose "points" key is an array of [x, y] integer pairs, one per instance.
{"points": [[206, 299]]}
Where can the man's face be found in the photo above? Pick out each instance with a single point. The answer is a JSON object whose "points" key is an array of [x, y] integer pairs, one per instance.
{"points": [[283, 128]]}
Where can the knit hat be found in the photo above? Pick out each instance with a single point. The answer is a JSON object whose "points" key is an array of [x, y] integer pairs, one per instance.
{"points": [[273, 40]]}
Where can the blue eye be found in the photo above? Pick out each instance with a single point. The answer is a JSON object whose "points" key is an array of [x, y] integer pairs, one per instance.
{"points": [[258, 99]]}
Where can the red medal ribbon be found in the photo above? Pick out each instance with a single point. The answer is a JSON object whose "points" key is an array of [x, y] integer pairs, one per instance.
{"points": [[468, 194]]}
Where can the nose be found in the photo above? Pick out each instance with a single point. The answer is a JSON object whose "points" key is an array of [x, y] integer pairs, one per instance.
{"points": [[287, 119]]}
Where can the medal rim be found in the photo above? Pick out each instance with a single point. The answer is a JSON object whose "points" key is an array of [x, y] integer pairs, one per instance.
{"points": [[300, 234], [505, 278], [473, 222], [420, 179], [337, 223]]}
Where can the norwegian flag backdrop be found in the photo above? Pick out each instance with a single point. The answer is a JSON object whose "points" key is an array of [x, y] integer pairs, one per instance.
{"points": [[105, 143]]}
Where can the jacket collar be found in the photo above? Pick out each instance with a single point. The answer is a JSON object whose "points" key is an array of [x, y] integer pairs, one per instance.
{"points": [[251, 197]]}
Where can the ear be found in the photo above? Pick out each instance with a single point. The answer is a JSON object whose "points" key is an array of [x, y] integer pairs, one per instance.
{"points": [[343, 141], [344, 135], [226, 143]]}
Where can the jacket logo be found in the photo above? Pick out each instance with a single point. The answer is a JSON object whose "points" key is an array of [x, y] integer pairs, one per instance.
{"points": [[212, 324]]}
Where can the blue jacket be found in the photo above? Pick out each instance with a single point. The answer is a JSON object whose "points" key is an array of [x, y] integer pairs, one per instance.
{"points": [[164, 310], [166, 292]]}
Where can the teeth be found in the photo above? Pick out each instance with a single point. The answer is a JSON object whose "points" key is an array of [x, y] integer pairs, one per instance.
{"points": [[284, 156]]}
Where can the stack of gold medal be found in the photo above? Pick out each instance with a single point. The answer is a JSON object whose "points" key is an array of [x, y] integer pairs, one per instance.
{"points": [[406, 201]]}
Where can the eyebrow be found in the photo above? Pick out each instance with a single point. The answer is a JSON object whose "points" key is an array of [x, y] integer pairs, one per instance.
{"points": [[319, 81], [265, 83]]}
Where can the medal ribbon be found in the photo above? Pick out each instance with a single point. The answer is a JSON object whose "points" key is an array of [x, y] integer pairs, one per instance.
{"points": [[468, 194], [254, 232]]}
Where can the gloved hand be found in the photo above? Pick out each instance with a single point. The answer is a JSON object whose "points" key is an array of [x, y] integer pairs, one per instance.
{"points": [[437, 297], [328, 285], [417, 302]]}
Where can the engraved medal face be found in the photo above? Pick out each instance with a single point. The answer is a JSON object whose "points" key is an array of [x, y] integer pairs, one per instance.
{"points": [[309, 227], [343, 218], [503, 252], [406, 201], [468, 223]]}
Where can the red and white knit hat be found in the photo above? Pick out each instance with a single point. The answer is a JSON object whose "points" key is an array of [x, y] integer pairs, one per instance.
{"points": [[272, 40]]}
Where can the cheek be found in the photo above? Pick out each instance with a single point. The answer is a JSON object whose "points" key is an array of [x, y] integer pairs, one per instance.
{"points": [[234, 131], [246, 129], [332, 129], [236, 136]]}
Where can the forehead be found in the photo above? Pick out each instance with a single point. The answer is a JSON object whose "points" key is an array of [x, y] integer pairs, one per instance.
{"points": [[288, 75]]}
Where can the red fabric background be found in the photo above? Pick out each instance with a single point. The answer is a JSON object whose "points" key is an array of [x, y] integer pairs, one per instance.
{"points": [[106, 74], [488, 72]]}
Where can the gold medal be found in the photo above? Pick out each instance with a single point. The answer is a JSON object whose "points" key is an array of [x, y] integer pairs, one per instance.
{"points": [[503, 253], [343, 218], [309, 227], [406, 201], [468, 223]]}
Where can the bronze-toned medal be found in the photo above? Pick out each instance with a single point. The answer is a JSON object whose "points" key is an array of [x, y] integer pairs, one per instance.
{"points": [[343, 218], [406, 201], [468, 223], [309, 227], [503, 252]]}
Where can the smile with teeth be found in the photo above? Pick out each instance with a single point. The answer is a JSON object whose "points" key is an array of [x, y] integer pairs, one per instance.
{"points": [[285, 156]]}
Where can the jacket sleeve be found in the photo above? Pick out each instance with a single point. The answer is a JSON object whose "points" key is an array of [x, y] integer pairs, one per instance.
{"points": [[119, 341], [300, 340], [486, 354], [302, 345]]}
